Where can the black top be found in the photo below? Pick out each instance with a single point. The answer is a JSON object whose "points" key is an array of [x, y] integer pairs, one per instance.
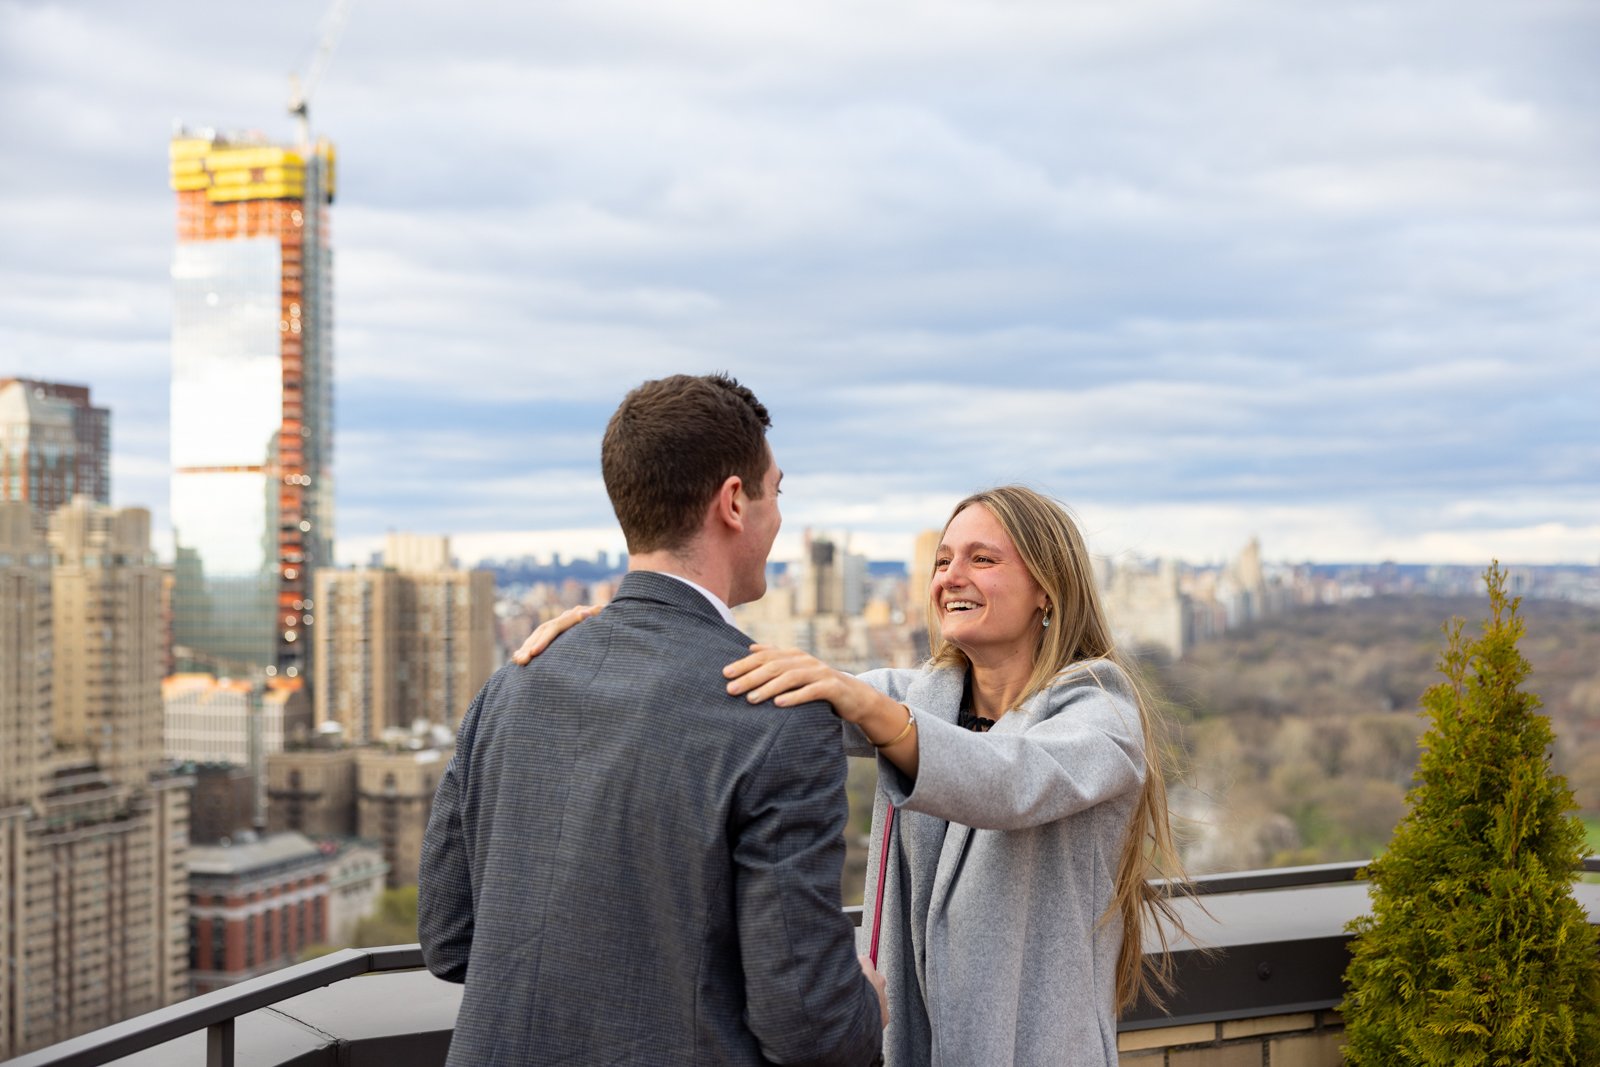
{"points": [[969, 719]]}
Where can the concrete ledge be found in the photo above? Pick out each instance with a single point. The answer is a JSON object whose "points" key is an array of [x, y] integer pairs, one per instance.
{"points": [[1166, 1037], [1268, 1024], [1295, 1039]]}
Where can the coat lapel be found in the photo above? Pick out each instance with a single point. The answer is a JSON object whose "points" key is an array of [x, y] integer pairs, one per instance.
{"points": [[938, 693]]}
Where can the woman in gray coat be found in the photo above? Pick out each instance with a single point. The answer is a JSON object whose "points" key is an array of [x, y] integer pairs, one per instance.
{"points": [[1020, 805]]}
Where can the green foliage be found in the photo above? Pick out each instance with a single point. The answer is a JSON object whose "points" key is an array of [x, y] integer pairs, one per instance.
{"points": [[1476, 952], [393, 923]]}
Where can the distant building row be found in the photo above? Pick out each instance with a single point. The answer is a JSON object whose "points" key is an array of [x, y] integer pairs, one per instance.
{"points": [[1166, 607], [107, 909], [93, 830], [410, 640], [402, 648]]}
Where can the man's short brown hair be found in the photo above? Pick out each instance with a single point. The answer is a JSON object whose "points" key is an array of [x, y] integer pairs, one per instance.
{"points": [[669, 447]]}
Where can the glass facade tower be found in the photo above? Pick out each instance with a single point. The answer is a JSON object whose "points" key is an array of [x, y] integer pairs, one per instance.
{"points": [[252, 362], [54, 445]]}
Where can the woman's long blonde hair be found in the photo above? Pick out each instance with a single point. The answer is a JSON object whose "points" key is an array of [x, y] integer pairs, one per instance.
{"points": [[1056, 556]]}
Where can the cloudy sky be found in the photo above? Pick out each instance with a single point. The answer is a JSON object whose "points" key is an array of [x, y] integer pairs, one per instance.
{"points": [[1326, 274]]}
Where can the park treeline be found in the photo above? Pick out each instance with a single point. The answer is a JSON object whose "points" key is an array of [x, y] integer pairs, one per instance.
{"points": [[1297, 736]]}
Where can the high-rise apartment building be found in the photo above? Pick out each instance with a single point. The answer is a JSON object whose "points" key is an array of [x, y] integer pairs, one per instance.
{"points": [[394, 797], [924, 554], [25, 675], [312, 791], [106, 604], [93, 887], [24, 732], [218, 725], [100, 904], [412, 640], [252, 380], [225, 800], [829, 578], [54, 445], [1146, 609], [233, 720], [379, 793]]}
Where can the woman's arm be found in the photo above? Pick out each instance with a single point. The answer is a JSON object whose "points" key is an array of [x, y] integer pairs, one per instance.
{"points": [[855, 741], [788, 676], [892, 682], [1088, 750]]}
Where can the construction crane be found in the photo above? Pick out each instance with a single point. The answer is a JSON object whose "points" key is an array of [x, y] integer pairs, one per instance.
{"points": [[300, 89]]}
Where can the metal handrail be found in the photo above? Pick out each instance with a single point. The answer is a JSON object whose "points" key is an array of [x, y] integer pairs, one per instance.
{"points": [[216, 1011], [1292, 877], [1276, 878]]}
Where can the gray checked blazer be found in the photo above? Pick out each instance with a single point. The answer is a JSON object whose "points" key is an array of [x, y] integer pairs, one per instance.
{"points": [[625, 865]]}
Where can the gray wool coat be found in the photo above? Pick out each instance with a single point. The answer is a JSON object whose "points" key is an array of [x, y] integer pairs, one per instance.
{"points": [[1002, 863]]}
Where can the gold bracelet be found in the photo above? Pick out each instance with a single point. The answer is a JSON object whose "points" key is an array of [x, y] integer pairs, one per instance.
{"points": [[911, 720]]}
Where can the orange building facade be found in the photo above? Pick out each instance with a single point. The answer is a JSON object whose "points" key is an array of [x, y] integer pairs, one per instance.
{"points": [[252, 492]]}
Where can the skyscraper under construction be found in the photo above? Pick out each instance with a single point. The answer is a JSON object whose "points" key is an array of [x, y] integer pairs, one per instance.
{"points": [[252, 382]]}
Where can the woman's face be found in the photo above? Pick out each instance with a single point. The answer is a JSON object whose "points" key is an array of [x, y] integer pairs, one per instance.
{"points": [[983, 596]]}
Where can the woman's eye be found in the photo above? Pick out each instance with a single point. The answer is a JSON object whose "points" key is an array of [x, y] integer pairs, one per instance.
{"points": [[940, 564]]}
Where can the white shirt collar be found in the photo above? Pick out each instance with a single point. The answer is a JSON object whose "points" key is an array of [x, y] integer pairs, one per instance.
{"points": [[716, 601]]}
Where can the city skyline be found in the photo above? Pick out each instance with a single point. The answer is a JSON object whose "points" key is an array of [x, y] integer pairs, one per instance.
{"points": [[1205, 272]]}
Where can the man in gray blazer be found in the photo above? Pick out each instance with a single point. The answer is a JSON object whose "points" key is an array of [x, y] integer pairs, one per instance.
{"points": [[625, 864]]}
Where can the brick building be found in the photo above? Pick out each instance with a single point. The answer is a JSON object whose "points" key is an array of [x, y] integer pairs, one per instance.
{"points": [[254, 905]]}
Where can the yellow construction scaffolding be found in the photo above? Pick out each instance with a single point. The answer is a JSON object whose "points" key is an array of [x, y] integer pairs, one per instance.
{"points": [[229, 173]]}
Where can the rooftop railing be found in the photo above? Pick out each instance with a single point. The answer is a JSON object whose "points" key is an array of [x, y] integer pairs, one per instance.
{"points": [[1266, 943]]}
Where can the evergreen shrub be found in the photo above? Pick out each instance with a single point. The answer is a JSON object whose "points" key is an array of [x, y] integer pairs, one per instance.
{"points": [[1476, 952]]}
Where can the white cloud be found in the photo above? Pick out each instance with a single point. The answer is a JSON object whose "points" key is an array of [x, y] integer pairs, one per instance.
{"points": [[1202, 267]]}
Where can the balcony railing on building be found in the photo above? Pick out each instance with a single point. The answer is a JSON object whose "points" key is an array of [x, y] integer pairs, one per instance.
{"points": [[1263, 984]]}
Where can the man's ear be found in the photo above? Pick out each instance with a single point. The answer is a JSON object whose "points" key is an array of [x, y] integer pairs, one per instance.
{"points": [[728, 507]]}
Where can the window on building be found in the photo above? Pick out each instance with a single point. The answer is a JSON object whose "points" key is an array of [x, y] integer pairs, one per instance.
{"points": [[218, 960]]}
